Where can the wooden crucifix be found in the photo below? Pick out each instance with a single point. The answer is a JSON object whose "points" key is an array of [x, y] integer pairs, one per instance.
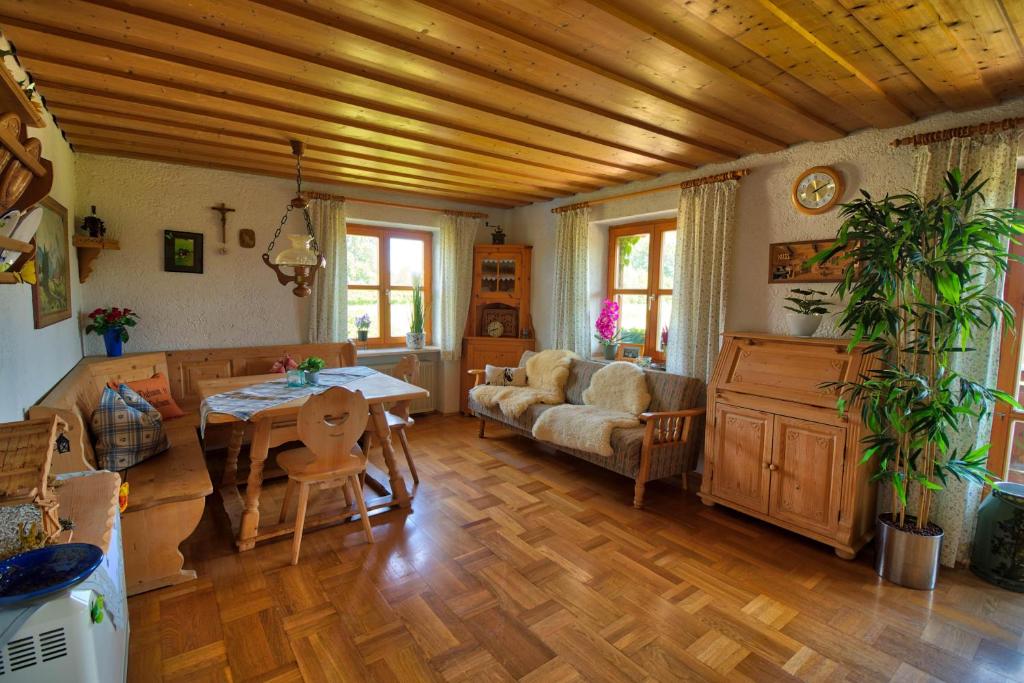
{"points": [[223, 210]]}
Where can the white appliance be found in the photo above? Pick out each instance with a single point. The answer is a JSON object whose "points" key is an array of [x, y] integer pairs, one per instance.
{"points": [[60, 642]]}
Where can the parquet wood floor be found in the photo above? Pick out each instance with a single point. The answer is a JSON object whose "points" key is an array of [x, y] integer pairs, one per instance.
{"points": [[521, 565]]}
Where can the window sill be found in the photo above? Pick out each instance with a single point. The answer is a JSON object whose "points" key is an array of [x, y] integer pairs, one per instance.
{"points": [[384, 351]]}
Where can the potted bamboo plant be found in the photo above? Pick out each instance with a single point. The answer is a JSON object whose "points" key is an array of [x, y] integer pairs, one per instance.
{"points": [[917, 286], [415, 337]]}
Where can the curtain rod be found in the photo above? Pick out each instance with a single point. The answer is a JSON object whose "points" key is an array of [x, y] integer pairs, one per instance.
{"points": [[341, 198], [718, 178], [961, 132]]}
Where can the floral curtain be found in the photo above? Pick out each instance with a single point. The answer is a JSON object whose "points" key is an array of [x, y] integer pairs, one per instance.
{"points": [[995, 155], [458, 234], [328, 306], [704, 236], [570, 313]]}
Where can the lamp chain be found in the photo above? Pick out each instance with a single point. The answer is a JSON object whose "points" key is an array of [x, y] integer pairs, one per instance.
{"points": [[277, 233], [288, 210]]}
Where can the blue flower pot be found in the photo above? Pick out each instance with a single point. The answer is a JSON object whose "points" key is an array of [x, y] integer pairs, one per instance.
{"points": [[112, 340]]}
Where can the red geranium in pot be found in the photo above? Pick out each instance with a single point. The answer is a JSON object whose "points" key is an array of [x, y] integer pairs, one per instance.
{"points": [[112, 324]]}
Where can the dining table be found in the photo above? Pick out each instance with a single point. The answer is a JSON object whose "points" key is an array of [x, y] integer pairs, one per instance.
{"points": [[276, 425]]}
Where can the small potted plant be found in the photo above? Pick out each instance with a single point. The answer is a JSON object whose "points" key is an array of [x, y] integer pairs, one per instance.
{"points": [[415, 338], [312, 367], [363, 326], [805, 312], [607, 334], [112, 324]]}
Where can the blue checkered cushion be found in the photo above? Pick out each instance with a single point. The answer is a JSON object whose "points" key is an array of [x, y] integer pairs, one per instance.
{"points": [[127, 429]]}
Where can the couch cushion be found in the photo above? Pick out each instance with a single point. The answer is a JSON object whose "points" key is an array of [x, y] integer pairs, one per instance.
{"points": [[580, 373], [523, 422], [128, 430]]}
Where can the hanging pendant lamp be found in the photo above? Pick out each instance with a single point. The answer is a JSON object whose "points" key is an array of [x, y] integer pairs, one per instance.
{"points": [[304, 257]]}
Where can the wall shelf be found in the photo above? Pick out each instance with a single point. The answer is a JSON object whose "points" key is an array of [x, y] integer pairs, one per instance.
{"points": [[88, 249], [26, 249], [13, 98]]}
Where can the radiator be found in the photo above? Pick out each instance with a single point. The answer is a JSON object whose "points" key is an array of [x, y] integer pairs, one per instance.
{"points": [[428, 378]]}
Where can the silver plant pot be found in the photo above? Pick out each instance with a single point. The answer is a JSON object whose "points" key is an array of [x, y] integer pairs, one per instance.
{"points": [[905, 558]]}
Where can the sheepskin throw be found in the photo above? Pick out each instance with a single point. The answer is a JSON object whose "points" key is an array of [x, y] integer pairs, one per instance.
{"points": [[616, 395], [546, 375], [620, 387]]}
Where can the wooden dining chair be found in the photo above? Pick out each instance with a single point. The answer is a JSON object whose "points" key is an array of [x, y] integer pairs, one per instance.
{"points": [[408, 370], [329, 425]]}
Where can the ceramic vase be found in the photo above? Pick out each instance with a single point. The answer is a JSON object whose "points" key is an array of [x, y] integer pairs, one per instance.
{"points": [[998, 555], [801, 325], [112, 342], [312, 377], [610, 350], [414, 340]]}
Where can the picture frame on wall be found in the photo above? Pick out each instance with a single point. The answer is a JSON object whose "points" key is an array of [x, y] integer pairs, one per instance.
{"points": [[51, 294], [629, 352], [786, 262], [183, 252]]}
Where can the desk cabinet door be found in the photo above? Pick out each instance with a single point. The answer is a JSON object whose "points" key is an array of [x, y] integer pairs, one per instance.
{"points": [[743, 443], [807, 473]]}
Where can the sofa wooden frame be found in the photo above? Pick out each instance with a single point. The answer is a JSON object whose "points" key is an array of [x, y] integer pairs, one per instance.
{"points": [[663, 430]]}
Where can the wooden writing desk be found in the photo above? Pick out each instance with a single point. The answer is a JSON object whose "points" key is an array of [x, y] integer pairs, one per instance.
{"points": [[275, 426]]}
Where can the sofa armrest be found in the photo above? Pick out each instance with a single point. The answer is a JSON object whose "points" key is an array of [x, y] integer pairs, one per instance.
{"points": [[670, 426], [478, 376]]}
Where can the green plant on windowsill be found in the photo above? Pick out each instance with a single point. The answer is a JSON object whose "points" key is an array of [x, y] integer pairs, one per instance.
{"points": [[416, 338]]}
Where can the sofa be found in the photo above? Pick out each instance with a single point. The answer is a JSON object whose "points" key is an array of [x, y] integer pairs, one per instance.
{"points": [[667, 444]]}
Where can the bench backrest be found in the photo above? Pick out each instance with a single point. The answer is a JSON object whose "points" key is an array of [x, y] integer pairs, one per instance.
{"points": [[186, 368], [668, 391]]}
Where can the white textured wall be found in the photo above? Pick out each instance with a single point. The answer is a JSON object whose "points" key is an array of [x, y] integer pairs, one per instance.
{"points": [[32, 361], [237, 300], [765, 214]]}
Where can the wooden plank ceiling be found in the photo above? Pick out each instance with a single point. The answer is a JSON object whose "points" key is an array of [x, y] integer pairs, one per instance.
{"points": [[502, 102]]}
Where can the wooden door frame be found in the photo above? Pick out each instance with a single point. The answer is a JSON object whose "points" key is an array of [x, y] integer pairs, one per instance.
{"points": [[1008, 379]]}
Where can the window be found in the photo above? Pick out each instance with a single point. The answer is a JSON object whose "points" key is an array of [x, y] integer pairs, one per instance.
{"points": [[641, 261], [383, 263]]}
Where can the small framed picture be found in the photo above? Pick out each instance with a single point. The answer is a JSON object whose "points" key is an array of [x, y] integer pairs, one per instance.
{"points": [[183, 252], [630, 352]]}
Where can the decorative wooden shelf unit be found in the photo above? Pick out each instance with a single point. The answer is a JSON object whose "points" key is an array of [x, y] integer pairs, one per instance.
{"points": [[13, 99], [26, 249], [88, 249], [776, 447]]}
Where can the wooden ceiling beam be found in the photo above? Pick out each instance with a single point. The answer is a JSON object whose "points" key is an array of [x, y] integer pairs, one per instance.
{"points": [[289, 100], [61, 102], [239, 154], [615, 10], [700, 150], [71, 119], [759, 140], [71, 78], [213, 162], [906, 115]]}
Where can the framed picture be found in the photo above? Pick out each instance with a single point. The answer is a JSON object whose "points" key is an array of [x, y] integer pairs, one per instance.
{"points": [[786, 262], [630, 352], [183, 252], [51, 295]]}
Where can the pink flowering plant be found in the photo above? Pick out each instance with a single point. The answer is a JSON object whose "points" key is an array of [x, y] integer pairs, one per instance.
{"points": [[607, 324]]}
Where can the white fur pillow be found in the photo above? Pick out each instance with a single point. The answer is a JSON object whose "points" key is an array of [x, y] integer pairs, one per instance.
{"points": [[619, 386]]}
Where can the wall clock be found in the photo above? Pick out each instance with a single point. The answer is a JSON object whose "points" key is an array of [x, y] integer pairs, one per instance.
{"points": [[817, 190]]}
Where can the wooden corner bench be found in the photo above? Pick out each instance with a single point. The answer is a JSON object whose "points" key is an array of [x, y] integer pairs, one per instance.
{"points": [[167, 493]]}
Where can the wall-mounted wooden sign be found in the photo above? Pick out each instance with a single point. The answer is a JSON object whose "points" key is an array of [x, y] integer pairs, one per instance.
{"points": [[786, 262]]}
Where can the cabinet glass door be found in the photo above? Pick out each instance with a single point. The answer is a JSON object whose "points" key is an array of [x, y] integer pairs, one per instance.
{"points": [[499, 275]]}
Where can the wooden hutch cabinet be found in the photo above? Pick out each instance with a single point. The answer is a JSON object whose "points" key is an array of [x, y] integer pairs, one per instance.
{"points": [[499, 327], [777, 449]]}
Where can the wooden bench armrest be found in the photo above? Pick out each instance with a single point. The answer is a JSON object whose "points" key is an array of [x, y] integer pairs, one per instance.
{"points": [[669, 427], [477, 376]]}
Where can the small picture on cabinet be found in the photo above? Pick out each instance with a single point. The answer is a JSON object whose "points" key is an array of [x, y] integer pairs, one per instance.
{"points": [[183, 252], [630, 352]]}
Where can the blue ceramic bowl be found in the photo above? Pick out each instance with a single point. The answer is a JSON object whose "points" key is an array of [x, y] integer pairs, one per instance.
{"points": [[34, 575]]}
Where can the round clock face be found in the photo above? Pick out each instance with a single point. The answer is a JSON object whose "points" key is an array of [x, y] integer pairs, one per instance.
{"points": [[817, 190], [495, 329]]}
